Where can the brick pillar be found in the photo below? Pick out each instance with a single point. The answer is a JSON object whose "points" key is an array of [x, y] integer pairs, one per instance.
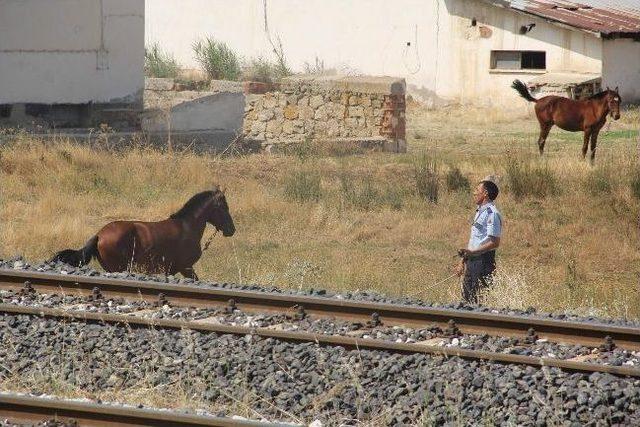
{"points": [[393, 126]]}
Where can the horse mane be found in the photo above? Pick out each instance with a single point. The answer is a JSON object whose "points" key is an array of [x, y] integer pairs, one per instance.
{"points": [[599, 95], [192, 204]]}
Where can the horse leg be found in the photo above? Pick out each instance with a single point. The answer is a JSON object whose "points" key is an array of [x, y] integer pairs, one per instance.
{"points": [[189, 273], [585, 143], [545, 128]]}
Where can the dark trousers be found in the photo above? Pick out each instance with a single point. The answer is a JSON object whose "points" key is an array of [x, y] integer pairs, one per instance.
{"points": [[476, 274]]}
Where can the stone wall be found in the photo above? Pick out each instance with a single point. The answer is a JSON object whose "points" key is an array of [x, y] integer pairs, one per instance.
{"points": [[366, 110]]}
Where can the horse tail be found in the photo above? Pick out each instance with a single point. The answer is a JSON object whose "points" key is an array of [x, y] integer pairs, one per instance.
{"points": [[80, 257], [523, 90]]}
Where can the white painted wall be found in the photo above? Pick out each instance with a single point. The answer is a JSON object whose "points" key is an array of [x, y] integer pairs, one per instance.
{"points": [[621, 67], [468, 75], [446, 58], [71, 51]]}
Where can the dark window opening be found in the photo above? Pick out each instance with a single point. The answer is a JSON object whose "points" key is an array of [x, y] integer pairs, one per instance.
{"points": [[36, 110], [534, 60], [518, 60], [474, 22], [5, 111]]}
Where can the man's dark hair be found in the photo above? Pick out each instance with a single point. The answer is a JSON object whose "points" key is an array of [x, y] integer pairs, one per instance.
{"points": [[492, 189]]}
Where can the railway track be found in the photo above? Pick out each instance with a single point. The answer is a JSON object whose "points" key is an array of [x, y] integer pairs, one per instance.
{"points": [[203, 325], [20, 409], [466, 322]]}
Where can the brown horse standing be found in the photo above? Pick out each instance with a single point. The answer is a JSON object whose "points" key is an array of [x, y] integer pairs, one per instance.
{"points": [[587, 115], [164, 247]]}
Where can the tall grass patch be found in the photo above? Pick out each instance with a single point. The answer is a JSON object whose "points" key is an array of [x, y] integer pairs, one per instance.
{"points": [[426, 177], [456, 181], [158, 63], [303, 185], [634, 183], [600, 180], [528, 179], [217, 59], [363, 193], [263, 70]]}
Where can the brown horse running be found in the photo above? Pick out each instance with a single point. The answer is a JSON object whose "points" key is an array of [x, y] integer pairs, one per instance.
{"points": [[587, 115], [164, 247]]}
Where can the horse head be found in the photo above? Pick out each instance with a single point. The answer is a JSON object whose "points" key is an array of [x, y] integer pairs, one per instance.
{"points": [[218, 213], [613, 102]]}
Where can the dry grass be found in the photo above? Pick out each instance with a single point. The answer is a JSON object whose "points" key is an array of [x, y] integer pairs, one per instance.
{"points": [[365, 226]]}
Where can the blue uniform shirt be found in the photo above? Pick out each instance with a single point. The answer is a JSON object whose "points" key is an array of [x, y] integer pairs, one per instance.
{"points": [[486, 223]]}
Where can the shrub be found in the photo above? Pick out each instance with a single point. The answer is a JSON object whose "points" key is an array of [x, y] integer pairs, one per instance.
{"points": [[303, 186], [526, 179], [425, 174], [158, 63], [456, 181], [217, 59], [262, 70]]}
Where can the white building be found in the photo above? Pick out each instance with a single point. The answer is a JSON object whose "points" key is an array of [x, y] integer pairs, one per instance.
{"points": [[71, 62], [447, 50]]}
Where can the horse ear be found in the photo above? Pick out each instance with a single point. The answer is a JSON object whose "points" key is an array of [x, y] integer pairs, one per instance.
{"points": [[616, 89], [608, 89]]}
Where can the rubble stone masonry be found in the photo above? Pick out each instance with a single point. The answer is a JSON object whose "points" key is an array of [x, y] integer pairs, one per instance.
{"points": [[366, 110]]}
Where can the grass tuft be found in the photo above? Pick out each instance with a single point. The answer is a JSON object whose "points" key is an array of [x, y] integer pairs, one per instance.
{"points": [[217, 60], [456, 181], [303, 185], [265, 71], [158, 63], [600, 180], [426, 178], [363, 193], [528, 179], [634, 183]]}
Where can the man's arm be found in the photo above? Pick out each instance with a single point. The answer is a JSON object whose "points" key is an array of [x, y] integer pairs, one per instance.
{"points": [[491, 244]]}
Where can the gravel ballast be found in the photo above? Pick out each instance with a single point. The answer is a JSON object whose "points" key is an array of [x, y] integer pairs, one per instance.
{"points": [[18, 263], [433, 335], [330, 384], [305, 382]]}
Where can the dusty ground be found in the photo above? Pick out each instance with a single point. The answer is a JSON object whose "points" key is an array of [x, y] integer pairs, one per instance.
{"points": [[356, 221]]}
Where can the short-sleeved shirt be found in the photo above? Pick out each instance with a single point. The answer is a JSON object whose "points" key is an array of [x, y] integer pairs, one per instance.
{"points": [[487, 223]]}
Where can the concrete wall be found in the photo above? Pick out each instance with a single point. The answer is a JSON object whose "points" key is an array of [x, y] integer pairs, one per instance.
{"points": [[168, 109], [71, 51], [621, 67], [429, 43]]}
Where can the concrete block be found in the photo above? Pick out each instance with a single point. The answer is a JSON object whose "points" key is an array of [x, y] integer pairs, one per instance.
{"points": [[158, 84]]}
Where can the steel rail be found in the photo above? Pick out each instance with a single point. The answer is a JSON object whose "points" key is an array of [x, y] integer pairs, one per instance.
{"points": [[468, 322], [347, 342], [20, 408]]}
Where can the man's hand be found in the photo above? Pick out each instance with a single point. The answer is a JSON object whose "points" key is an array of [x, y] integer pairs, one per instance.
{"points": [[465, 253]]}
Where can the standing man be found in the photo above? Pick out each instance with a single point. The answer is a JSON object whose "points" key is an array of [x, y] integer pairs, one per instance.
{"points": [[479, 257]]}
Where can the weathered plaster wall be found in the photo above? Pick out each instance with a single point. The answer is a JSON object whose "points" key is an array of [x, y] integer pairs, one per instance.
{"points": [[621, 67], [361, 110], [468, 76], [429, 43], [71, 51]]}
